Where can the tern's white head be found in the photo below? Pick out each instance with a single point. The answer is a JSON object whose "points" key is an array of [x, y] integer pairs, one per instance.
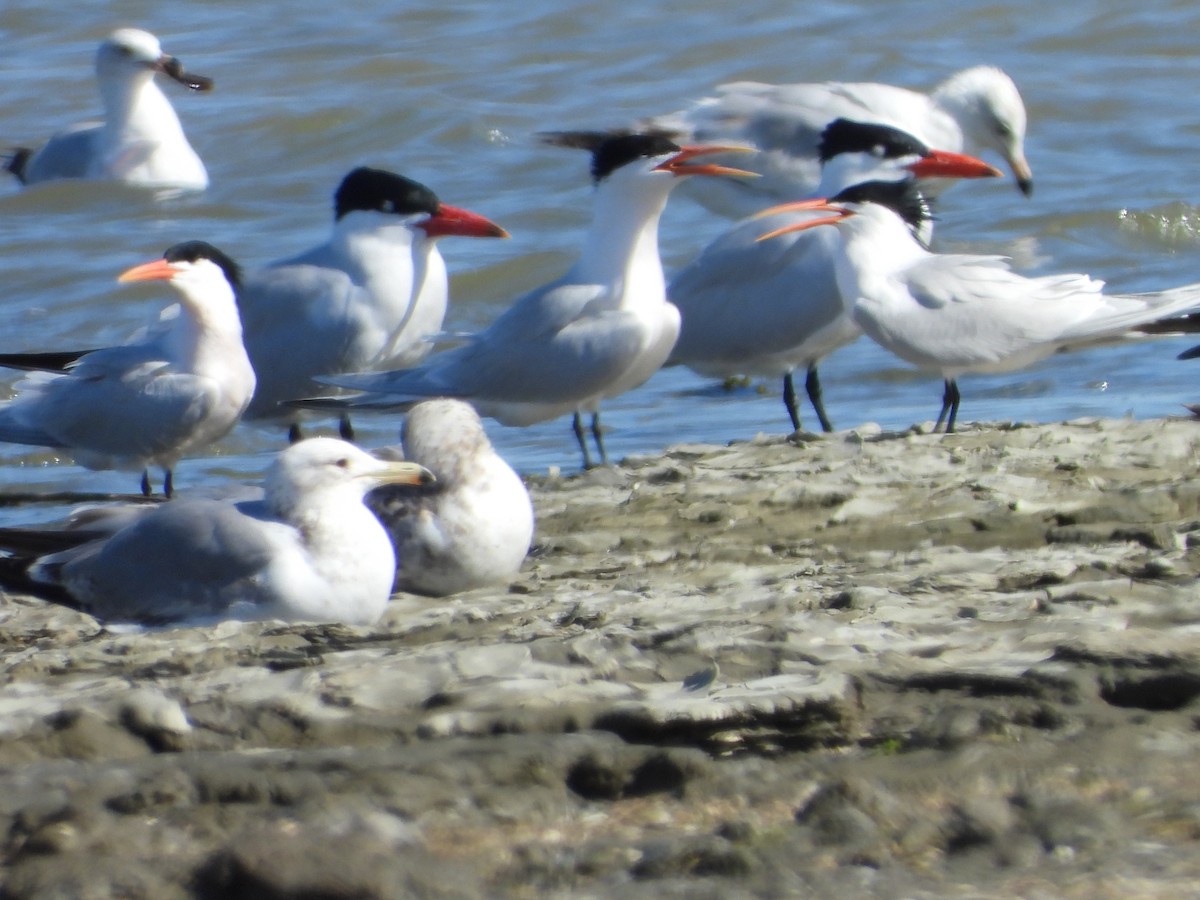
{"points": [[204, 276], [394, 198], [857, 152]]}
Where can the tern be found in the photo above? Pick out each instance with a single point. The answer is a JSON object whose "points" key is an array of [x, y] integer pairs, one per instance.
{"points": [[974, 111], [308, 551], [152, 401], [140, 142], [766, 308], [602, 329], [956, 313], [368, 298]]}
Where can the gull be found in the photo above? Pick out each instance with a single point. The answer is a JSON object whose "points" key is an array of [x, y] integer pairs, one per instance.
{"points": [[602, 329], [956, 313], [151, 401], [974, 111], [766, 308], [308, 551], [473, 525], [140, 142], [367, 298]]}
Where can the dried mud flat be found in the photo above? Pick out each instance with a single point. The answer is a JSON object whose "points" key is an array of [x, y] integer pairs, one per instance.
{"points": [[857, 665]]}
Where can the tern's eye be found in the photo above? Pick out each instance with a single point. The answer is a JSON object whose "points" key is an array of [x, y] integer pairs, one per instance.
{"points": [[343, 463]]}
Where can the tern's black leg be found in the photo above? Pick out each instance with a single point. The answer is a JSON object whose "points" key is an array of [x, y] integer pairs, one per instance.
{"points": [[812, 384], [950, 398], [146, 483], [789, 400], [295, 435], [954, 398], [345, 429], [581, 436], [168, 483], [598, 437]]}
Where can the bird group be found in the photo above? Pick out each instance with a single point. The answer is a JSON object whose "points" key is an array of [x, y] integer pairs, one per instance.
{"points": [[353, 325]]}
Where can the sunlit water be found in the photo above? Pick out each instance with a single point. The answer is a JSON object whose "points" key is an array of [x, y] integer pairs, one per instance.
{"points": [[453, 95]]}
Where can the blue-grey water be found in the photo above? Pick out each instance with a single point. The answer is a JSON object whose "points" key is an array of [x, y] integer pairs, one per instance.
{"points": [[453, 95]]}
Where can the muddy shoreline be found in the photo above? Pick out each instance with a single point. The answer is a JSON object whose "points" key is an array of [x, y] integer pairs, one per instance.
{"points": [[860, 664]]}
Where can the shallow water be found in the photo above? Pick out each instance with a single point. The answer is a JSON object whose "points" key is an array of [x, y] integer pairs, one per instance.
{"points": [[454, 96]]}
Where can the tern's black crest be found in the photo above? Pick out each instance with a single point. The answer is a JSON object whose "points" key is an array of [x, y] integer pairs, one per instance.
{"points": [[377, 190], [194, 251], [613, 149], [901, 197], [845, 136]]}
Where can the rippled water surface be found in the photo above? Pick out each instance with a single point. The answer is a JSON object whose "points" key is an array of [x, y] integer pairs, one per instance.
{"points": [[453, 94]]}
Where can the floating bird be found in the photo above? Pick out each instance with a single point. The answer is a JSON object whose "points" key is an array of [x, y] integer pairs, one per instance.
{"points": [[600, 330], [766, 308], [973, 111], [473, 525], [955, 313], [309, 551], [152, 401], [368, 298], [140, 142]]}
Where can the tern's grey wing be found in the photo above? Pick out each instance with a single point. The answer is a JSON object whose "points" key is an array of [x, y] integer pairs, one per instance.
{"points": [[299, 321], [742, 298], [145, 411], [187, 559], [553, 346]]}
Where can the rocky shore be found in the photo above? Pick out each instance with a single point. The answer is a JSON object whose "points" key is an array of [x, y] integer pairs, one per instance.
{"points": [[863, 664]]}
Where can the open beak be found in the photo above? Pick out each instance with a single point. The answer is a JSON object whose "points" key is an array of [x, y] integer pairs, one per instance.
{"points": [[159, 270], [678, 164], [944, 164], [173, 68], [822, 204], [393, 472], [454, 220]]}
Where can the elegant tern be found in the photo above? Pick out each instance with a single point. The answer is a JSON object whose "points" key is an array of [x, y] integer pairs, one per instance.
{"points": [[140, 141], [154, 400], [368, 298], [976, 110], [956, 313], [308, 551], [600, 330], [473, 525], [766, 308]]}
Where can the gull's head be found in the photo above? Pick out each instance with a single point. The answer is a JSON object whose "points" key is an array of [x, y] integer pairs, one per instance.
{"points": [[198, 270], [988, 108], [130, 54], [857, 152], [321, 468], [381, 193], [446, 435]]}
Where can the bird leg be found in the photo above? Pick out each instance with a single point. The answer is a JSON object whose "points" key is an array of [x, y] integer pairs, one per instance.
{"points": [[950, 399], [168, 483], [598, 436], [345, 429], [812, 384], [146, 490], [789, 400], [295, 435], [577, 427]]}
